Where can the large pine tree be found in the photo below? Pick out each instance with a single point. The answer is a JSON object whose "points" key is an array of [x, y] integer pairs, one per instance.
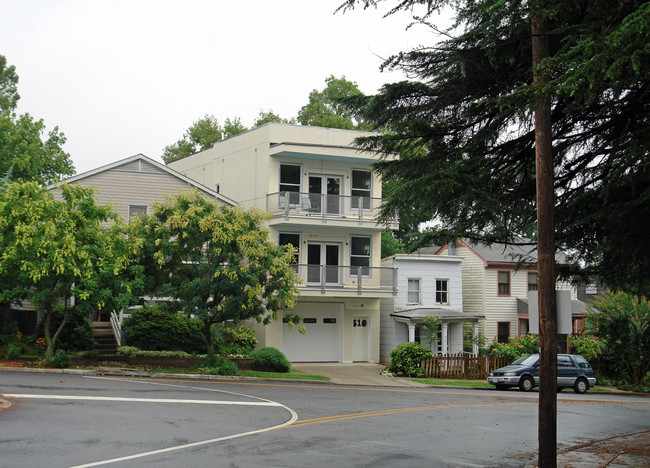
{"points": [[464, 126]]}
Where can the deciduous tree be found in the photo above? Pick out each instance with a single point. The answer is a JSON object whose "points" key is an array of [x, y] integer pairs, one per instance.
{"points": [[59, 254], [218, 262], [201, 135]]}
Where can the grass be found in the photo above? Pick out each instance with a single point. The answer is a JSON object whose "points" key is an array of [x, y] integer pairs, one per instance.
{"points": [[291, 375], [454, 383]]}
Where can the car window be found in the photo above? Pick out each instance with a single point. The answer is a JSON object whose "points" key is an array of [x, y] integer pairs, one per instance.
{"points": [[526, 360], [582, 362], [564, 361]]}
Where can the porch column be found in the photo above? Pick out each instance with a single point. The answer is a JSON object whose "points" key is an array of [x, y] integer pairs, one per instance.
{"points": [[475, 343], [445, 340], [411, 332]]}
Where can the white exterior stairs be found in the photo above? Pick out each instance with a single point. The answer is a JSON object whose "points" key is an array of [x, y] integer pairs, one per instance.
{"points": [[105, 338]]}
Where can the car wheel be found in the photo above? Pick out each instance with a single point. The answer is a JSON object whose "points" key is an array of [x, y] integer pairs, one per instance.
{"points": [[581, 386], [502, 387], [526, 384]]}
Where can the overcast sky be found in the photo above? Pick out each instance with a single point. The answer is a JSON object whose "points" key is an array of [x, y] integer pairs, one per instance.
{"points": [[127, 77]]}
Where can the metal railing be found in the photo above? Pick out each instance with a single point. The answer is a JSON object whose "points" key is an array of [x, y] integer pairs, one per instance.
{"points": [[318, 205], [117, 328], [356, 278]]}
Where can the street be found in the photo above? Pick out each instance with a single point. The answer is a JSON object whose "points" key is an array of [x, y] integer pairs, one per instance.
{"points": [[68, 420]]}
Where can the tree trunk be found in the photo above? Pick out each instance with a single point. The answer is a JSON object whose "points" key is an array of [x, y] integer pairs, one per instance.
{"points": [[208, 341]]}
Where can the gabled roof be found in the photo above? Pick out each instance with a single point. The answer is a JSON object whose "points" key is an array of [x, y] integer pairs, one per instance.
{"points": [[142, 163], [504, 253]]}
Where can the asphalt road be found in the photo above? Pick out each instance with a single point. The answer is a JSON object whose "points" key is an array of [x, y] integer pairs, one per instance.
{"points": [[71, 420]]}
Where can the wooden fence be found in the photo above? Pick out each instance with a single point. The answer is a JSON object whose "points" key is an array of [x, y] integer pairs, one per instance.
{"points": [[461, 366]]}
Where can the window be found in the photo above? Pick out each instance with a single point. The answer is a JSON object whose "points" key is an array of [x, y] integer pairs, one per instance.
{"points": [[503, 332], [413, 294], [360, 255], [523, 327], [217, 187], [504, 283], [591, 289], [564, 361], [293, 239], [532, 281], [290, 182], [361, 187], [442, 291], [137, 210]]}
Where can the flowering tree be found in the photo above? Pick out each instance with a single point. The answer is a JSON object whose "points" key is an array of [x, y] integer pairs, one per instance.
{"points": [[217, 261], [621, 321], [59, 254]]}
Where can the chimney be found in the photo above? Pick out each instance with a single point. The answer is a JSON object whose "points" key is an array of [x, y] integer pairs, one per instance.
{"points": [[450, 248]]}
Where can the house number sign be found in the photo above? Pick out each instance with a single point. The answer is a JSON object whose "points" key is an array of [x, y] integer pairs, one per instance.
{"points": [[360, 323]]}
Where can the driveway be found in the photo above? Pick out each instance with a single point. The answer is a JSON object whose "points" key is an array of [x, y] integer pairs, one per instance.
{"points": [[358, 373]]}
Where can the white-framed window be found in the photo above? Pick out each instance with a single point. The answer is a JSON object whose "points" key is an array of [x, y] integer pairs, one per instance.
{"points": [[286, 238], [442, 291], [137, 210], [360, 254], [217, 188], [413, 291], [361, 186], [532, 281]]}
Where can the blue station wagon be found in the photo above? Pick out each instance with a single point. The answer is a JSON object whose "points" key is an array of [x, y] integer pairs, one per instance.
{"points": [[572, 371]]}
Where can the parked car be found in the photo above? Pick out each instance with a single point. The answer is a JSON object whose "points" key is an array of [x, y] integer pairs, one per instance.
{"points": [[572, 371]]}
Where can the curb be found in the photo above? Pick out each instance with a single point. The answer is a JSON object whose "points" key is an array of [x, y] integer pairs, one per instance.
{"points": [[156, 375]]}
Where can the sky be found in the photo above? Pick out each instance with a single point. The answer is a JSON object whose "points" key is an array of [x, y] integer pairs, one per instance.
{"points": [[125, 77]]}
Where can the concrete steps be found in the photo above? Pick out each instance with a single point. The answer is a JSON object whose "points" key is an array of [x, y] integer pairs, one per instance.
{"points": [[103, 334]]}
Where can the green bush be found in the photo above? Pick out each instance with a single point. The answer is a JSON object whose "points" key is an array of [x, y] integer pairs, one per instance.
{"points": [[77, 334], [234, 339], [270, 359], [219, 365], [59, 359], [406, 359], [132, 351], [516, 347], [621, 322], [586, 346], [153, 329]]}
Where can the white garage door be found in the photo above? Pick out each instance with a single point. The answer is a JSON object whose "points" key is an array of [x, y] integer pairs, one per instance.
{"points": [[321, 343]]}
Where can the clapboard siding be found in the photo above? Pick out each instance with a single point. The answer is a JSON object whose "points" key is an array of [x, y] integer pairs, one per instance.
{"points": [[121, 188]]}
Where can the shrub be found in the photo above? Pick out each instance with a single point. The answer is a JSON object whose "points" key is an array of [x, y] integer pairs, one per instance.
{"points": [[406, 359], [270, 359], [516, 347], [132, 351], [586, 346], [621, 322], [153, 329], [234, 339], [59, 359], [77, 334], [219, 365]]}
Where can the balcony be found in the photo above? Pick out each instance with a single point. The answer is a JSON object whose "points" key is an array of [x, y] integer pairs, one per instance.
{"points": [[324, 207], [348, 279]]}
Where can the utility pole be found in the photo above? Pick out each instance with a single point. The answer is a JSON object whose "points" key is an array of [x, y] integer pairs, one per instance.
{"points": [[547, 422]]}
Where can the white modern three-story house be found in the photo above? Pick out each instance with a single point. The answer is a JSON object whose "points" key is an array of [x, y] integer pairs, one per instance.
{"points": [[324, 198]]}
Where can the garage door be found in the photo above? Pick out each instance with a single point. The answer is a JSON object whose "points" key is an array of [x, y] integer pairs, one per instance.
{"points": [[321, 343]]}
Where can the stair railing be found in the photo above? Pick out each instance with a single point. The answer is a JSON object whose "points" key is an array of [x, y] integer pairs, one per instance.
{"points": [[117, 328]]}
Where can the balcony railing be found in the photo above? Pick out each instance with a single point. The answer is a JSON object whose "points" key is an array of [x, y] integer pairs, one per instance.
{"points": [[322, 206], [347, 278]]}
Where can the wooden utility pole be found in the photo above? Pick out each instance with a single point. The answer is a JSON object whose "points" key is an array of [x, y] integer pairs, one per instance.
{"points": [[547, 426]]}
